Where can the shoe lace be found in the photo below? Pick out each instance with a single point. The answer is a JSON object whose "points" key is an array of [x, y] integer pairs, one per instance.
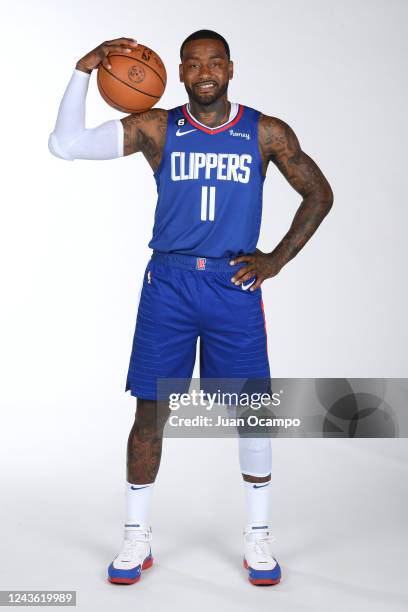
{"points": [[131, 544], [261, 545]]}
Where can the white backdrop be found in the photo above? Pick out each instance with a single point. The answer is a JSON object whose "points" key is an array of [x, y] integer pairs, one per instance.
{"points": [[73, 242]]}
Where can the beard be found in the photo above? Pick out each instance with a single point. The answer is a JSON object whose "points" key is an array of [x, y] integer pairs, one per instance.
{"points": [[206, 99]]}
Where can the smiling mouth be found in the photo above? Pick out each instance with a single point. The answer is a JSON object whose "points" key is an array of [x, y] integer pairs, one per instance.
{"points": [[205, 86]]}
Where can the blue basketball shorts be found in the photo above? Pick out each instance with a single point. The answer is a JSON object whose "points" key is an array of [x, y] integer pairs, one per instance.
{"points": [[183, 298]]}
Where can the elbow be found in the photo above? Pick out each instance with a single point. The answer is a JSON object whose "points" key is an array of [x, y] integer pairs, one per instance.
{"points": [[329, 198], [58, 150], [321, 200], [326, 198]]}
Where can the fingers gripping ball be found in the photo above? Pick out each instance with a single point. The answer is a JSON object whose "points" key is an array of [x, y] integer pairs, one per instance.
{"points": [[135, 82]]}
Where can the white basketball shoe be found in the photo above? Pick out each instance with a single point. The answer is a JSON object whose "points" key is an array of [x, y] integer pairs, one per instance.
{"points": [[135, 556], [263, 568]]}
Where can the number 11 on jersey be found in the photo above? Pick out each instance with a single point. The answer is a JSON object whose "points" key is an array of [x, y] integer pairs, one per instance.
{"points": [[207, 203]]}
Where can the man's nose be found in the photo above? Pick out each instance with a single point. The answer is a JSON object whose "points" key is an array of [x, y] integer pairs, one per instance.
{"points": [[204, 71]]}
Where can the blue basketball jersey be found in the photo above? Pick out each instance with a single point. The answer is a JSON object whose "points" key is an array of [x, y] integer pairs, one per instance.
{"points": [[209, 185]]}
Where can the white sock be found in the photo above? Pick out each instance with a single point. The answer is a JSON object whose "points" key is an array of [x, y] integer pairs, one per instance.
{"points": [[138, 502], [257, 501]]}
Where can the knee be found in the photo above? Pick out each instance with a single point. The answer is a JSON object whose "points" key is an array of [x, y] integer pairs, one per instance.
{"points": [[150, 419], [254, 446], [255, 457]]}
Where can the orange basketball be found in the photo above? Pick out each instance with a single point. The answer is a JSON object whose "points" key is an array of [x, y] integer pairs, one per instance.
{"points": [[136, 81]]}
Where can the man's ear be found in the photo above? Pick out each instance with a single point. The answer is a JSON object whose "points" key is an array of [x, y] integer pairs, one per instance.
{"points": [[231, 70], [181, 73]]}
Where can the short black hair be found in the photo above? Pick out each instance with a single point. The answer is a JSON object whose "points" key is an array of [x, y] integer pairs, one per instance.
{"points": [[205, 34]]}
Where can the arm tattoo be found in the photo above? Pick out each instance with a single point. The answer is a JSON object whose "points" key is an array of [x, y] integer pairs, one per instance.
{"points": [[146, 132], [279, 144]]}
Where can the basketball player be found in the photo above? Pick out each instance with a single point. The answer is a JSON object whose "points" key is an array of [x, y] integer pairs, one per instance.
{"points": [[209, 158]]}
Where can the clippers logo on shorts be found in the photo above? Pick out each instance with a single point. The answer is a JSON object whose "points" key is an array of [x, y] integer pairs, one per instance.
{"points": [[200, 264], [209, 185]]}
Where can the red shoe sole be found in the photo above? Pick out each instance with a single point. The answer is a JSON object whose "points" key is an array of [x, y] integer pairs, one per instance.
{"points": [[146, 564], [256, 581]]}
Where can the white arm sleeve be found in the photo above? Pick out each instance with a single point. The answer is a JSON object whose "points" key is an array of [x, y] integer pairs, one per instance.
{"points": [[70, 139]]}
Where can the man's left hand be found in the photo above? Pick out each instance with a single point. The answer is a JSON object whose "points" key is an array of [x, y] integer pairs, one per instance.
{"points": [[261, 265]]}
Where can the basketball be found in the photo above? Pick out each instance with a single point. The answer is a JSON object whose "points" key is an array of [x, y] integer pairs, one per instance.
{"points": [[136, 81]]}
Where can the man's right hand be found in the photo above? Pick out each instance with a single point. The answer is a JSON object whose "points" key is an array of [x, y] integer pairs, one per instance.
{"points": [[99, 55]]}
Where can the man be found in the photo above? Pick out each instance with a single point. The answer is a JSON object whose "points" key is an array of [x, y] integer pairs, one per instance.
{"points": [[209, 158]]}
